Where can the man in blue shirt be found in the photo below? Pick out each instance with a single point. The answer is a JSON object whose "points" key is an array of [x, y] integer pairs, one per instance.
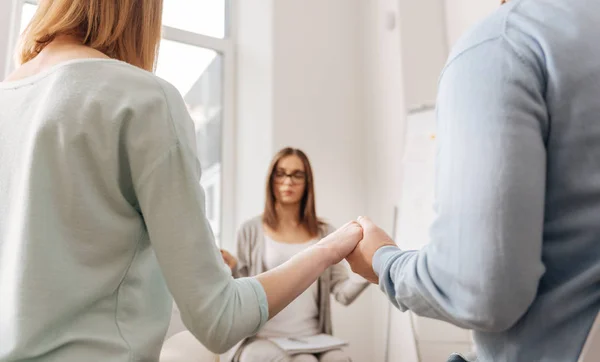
{"points": [[515, 247]]}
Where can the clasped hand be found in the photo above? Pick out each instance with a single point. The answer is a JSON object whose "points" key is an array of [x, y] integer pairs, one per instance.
{"points": [[361, 258], [356, 241]]}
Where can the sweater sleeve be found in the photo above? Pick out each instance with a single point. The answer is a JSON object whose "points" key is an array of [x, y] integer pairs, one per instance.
{"points": [[217, 309], [483, 265]]}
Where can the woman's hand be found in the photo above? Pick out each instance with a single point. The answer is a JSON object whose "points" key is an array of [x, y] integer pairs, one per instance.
{"points": [[341, 242], [229, 259], [361, 259]]}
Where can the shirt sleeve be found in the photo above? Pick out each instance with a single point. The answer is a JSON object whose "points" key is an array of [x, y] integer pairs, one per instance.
{"points": [[482, 267], [217, 309]]}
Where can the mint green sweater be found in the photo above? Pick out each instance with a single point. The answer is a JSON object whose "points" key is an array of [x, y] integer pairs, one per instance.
{"points": [[101, 216]]}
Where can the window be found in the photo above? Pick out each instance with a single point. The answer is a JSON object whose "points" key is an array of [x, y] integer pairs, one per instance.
{"points": [[207, 17], [27, 11], [196, 57], [22, 12], [198, 75]]}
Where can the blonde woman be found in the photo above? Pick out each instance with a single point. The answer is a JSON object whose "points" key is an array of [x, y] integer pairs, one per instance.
{"points": [[101, 212]]}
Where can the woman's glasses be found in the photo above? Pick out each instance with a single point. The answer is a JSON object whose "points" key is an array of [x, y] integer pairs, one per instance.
{"points": [[296, 178]]}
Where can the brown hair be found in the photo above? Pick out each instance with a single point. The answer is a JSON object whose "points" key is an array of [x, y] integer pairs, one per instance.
{"points": [[308, 215], [127, 30]]}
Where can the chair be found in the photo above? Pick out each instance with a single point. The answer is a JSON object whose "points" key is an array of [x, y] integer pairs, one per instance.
{"points": [[184, 347], [181, 346]]}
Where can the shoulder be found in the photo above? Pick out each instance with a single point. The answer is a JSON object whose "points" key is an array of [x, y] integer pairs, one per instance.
{"points": [[117, 83], [513, 30], [325, 228], [130, 97], [486, 29], [251, 228], [109, 74]]}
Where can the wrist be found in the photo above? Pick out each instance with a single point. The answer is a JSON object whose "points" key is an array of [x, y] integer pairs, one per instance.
{"points": [[324, 255], [381, 256]]}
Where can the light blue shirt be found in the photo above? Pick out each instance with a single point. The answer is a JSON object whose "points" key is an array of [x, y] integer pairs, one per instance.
{"points": [[100, 211], [515, 247]]}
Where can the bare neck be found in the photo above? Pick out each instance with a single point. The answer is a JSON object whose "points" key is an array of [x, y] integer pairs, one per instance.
{"points": [[288, 216], [289, 228], [61, 49]]}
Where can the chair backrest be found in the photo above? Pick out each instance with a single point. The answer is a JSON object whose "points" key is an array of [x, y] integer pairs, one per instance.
{"points": [[591, 349], [184, 347]]}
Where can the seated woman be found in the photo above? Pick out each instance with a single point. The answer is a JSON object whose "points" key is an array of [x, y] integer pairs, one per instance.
{"points": [[288, 225]]}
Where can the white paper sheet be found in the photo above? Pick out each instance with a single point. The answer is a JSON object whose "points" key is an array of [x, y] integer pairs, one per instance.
{"points": [[314, 344]]}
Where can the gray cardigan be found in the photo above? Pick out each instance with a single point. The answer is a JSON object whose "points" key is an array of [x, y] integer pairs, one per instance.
{"points": [[335, 280]]}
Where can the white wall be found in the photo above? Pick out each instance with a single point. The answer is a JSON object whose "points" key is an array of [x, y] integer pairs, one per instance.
{"points": [[254, 106], [5, 33], [319, 108], [422, 30], [300, 84], [384, 128], [318, 103]]}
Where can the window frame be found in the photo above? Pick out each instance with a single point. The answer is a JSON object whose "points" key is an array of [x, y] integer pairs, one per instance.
{"points": [[225, 47], [15, 8]]}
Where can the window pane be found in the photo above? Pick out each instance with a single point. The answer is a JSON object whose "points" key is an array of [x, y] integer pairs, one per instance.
{"points": [[197, 74], [205, 17], [27, 13]]}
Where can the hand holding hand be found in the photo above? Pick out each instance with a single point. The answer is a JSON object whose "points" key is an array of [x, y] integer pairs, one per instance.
{"points": [[342, 241], [361, 259], [229, 259]]}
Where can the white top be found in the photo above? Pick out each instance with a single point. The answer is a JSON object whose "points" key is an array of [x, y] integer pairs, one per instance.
{"points": [[100, 205], [299, 318]]}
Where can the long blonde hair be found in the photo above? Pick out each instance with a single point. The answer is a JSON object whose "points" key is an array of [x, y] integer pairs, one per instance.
{"points": [[127, 30]]}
